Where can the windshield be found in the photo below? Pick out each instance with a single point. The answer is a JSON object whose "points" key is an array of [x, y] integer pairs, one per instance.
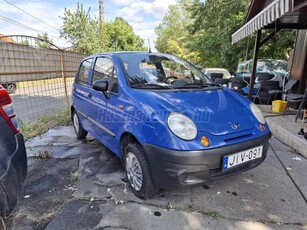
{"points": [[160, 71], [272, 66]]}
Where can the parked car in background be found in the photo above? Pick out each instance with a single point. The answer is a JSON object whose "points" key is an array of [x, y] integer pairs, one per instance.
{"points": [[11, 87], [223, 72], [270, 66], [172, 127], [13, 160]]}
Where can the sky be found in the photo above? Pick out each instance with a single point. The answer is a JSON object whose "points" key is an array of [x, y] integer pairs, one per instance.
{"points": [[142, 15]]}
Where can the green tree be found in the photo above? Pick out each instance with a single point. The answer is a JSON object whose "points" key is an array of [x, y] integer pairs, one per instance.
{"points": [[88, 35], [214, 21], [24, 43], [84, 33], [46, 42], [172, 34], [122, 36]]}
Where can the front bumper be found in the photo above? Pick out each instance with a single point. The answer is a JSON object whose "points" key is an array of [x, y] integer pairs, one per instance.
{"points": [[13, 177], [173, 168]]}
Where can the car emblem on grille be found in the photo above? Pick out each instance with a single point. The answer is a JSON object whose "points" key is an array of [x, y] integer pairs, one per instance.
{"points": [[235, 126]]}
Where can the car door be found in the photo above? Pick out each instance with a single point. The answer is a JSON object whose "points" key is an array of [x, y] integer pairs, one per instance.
{"points": [[81, 92], [102, 117]]}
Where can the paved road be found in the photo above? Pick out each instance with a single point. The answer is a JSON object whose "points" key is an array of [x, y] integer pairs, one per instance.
{"points": [[83, 186], [33, 102]]}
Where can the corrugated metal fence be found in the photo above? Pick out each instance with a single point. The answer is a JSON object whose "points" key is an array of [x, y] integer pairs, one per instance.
{"points": [[39, 79]]}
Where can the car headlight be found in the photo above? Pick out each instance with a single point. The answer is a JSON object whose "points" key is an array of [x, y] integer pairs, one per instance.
{"points": [[257, 113], [182, 126]]}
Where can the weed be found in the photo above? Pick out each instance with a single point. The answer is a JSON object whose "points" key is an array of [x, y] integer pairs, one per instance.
{"points": [[211, 213], [75, 175], [45, 154], [168, 207], [43, 124]]}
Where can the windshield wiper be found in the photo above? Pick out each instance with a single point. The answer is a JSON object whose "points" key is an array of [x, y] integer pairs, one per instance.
{"points": [[150, 86], [196, 85], [211, 84]]}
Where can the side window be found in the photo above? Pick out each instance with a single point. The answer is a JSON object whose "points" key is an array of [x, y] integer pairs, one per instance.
{"points": [[84, 71], [104, 69]]}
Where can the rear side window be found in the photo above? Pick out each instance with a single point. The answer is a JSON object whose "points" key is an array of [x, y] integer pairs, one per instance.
{"points": [[84, 71]]}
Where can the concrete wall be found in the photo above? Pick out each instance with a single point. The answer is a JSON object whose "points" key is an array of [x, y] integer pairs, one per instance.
{"points": [[24, 63]]}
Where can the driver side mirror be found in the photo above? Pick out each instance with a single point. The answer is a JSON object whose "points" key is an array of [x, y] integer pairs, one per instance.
{"points": [[102, 86]]}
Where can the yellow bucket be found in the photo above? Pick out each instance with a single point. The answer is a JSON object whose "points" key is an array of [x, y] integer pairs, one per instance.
{"points": [[278, 106]]}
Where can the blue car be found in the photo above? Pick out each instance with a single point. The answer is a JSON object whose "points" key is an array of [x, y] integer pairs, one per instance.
{"points": [[170, 125]]}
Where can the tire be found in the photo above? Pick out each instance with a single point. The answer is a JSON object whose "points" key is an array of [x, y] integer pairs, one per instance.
{"points": [[79, 130], [138, 172], [11, 88], [2, 224]]}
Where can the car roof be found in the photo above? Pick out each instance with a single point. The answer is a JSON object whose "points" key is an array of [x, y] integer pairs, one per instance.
{"points": [[128, 52]]}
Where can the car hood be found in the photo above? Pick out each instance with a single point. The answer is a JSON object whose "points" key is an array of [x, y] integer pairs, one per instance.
{"points": [[218, 111]]}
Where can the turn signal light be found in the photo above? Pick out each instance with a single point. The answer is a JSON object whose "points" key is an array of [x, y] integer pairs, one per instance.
{"points": [[261, 127], [205, 141]]}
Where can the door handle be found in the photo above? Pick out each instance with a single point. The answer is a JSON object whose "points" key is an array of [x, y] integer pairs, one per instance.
{"points": [[89, 95]]}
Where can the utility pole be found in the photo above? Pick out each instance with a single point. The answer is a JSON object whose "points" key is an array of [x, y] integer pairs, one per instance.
{"points": [[101, 10]]}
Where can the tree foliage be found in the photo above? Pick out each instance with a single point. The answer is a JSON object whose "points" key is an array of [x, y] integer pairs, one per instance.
{"points": [[204, 29], [172, 33], [122, 37], [88, 35], [45, 41]]}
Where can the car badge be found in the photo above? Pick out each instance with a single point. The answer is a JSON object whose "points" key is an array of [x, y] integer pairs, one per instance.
{"points": [[235, 126]]}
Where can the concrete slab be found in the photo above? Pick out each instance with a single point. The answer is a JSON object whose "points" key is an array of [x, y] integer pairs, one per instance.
{"points": [[61, 142], [127, 216], [264, 194], [296, 168], [268, 197], [285, 129], [243, 225]]}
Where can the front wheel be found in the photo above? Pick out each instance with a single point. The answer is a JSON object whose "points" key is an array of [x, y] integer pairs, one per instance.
{"points": [[137, 171], [79, 130]]}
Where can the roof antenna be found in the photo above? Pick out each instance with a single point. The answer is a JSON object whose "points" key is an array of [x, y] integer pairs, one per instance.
{"points": [[149, 49]]}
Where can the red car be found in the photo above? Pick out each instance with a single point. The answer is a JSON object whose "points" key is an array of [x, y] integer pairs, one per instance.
{"points": [[13, 158]]}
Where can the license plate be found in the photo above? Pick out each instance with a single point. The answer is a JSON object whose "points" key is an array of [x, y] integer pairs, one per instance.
{"points": [[242, 157]]}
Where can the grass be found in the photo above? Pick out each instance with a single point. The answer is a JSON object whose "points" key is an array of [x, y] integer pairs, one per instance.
{"points": [[211, 213], [168, 207], [44, 123], [205, 212], [58, 80], [75, 175]]}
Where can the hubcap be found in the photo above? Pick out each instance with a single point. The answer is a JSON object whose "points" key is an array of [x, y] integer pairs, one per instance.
{"points": [[134, 171], [76, 122], [11, 88]]}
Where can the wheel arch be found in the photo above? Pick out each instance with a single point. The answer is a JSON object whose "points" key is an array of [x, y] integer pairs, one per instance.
{"points": [[125, 139], [72, 109]]}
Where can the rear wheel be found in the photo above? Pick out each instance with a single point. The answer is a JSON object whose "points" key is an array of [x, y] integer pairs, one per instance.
{"points": [[11, 88], [79, 130], [137, 171]]}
